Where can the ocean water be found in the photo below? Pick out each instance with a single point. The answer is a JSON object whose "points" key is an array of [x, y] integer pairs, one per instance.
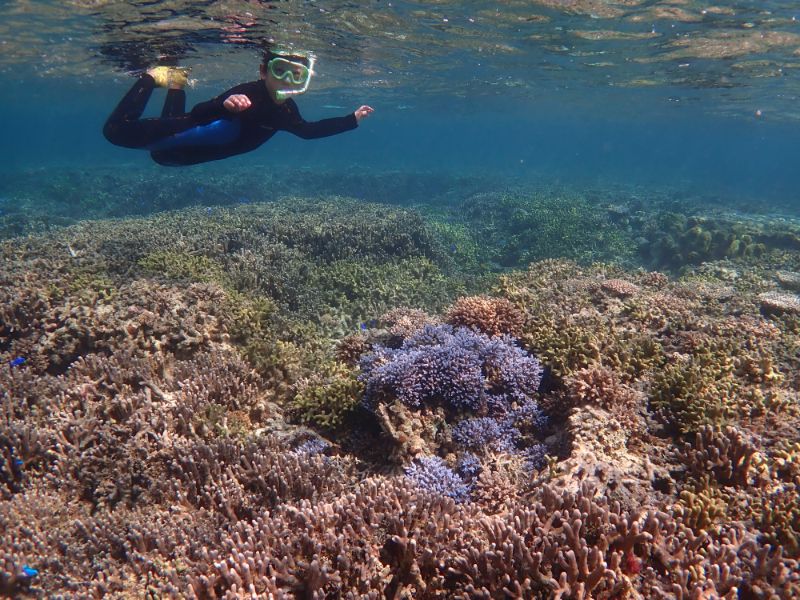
{"points": [[704, 97], [532, 330]]}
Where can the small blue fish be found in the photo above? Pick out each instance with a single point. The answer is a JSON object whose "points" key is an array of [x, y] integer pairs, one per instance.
{"points": [[18, 462], [29, 572], [20, 360], [200, 189], [209, 210], [453, 248], [364, 327]]}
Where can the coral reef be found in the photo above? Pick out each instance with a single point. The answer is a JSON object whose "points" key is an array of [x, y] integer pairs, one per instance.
{"points": [[306, 399], [536, 225]]}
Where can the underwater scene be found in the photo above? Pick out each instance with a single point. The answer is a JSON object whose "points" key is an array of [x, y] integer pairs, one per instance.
{"points": [[405, 300]]}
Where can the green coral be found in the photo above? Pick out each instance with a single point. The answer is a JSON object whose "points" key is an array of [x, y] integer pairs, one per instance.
{"points": [[777, 516], [563, 346], [701, 390], [328, 397], [464, 250], [368, 289], [518, 228], [701, 506], [183, 265], [675, 240]]}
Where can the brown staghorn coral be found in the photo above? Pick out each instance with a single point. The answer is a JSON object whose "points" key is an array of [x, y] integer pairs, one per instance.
{"points": [[620, 287], [350, 349], [726, 454], [602, 387], [492, 316], [51, 327]]}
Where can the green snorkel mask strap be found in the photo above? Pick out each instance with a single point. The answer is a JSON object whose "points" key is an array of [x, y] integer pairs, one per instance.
{"points": [[285, 67]]}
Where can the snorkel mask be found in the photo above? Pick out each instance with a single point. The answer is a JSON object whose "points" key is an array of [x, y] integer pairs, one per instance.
{"points": [[294, 70]]}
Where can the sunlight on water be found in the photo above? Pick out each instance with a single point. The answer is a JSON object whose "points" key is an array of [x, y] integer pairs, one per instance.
{"points": [[733, 60]]}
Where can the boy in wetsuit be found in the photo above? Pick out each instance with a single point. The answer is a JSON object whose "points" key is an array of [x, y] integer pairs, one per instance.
{"points": [[234, 122]]}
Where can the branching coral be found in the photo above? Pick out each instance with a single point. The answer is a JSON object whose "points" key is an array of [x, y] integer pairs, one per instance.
{"points": [[600, 386], [432, 475], [454, 367], [327, 397], [534, 226], [701, 506], [492, 316], [351, 348], [53, 330], [447, 387], [696, 391], [725, 453], [404, 322]]}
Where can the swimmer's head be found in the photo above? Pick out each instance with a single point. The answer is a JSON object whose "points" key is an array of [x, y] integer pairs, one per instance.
{"points": [[287, 73]]}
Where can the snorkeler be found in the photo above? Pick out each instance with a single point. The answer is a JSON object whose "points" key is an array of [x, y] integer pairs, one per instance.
{"points": [[237, 121]]}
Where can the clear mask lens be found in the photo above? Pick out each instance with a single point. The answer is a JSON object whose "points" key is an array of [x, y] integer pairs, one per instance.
{"points": [[289, 71]]}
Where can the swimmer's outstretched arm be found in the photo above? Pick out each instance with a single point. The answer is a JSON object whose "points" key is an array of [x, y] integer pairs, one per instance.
{"points": [[240, 102]]}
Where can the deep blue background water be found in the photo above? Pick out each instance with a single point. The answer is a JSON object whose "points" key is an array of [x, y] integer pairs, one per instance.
{"points": [[677, 146]]}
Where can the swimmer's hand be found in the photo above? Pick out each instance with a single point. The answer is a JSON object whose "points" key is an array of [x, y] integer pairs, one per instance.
{"points": [[363, 111], [237, 103]]}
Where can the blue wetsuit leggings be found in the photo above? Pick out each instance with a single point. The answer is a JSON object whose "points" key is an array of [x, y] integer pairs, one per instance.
{"points": [[126, 128]]}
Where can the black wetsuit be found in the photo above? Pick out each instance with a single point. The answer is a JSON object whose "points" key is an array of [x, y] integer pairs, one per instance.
{"points": [[179, 138]]}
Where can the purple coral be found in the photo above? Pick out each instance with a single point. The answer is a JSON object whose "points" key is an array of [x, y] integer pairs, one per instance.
{"points": [[431, 474], [535, 456], [527, 416], [311, 447], [469, 465], [485, 433], [458, 368], [501, 435]]}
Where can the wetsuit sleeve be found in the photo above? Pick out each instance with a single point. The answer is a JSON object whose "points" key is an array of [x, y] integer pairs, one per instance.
{"points": [[309, 130], [213, 109]]}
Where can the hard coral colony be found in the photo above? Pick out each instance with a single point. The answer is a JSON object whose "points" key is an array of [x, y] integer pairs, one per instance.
{"points": [[182, 424]]}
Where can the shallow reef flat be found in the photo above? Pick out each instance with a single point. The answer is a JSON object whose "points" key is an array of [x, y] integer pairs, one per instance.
{"points": [[321, 397]]}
